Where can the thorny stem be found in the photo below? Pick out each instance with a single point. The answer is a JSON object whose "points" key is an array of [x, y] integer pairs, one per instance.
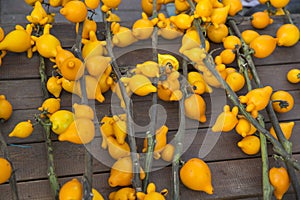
{"points": [[178, 140], [46, 125], [151, 138], [136, 182], [88, 158], [287, 145], [12, 179]]}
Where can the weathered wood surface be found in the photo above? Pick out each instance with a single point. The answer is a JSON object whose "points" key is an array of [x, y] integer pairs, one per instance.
{"points": [[235, 175]]}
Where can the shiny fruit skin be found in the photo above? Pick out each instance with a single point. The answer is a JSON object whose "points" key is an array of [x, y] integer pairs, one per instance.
{"points": [[250, 145], [228, 56], [263, 46], [293, 75], [71, 190], [260, 20], [22, 130], [231, 42], [61, 120], [285, 96], [195, 174], [236, 81], [288, 35], [280, 180], [216, 34], [279, 3], [6, 170], [249, 35], [5, 108]]}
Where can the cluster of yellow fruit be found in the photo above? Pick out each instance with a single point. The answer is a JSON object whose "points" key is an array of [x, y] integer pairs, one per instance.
{"points": [[256, 100]]}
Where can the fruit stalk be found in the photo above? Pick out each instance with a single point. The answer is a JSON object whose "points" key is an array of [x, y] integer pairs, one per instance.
{"points": [[88, 171], [267, 187], [136, 182], [178, 140], [287, 14], [46, 126], [151, 140], [287, 146], [12, 179], [197, 23]]}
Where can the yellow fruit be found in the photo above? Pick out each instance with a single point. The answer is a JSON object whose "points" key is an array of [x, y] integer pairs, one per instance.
{"points": [[263, 46], [257, 99], [147, 6], [279, 3], [92, 4], [227, 120], [195, 107], [88, 25], [244, 127], [286, 127], [96, 195], [261, 20], [61, 120], [125, 193], [203, 9], [117, 150], [282, 101], [47, 43], [51, 105], [72, 189], [6, 170], [293, 75], [235, 6], [83, 111], [227, 56], [216, 34], [62, 55], [2, 34], [54, 86], [22, 130], [231, 42], [195, 174], [80, 131], [74, 11], [287, 35], [109, 4], [93, 46], [250, 145], [182, 21], [280, 180], [168, 153], [5, 108], [32, 2], [236, 81], [121, 172], [72, 69], [219, 15], [249, 35]]}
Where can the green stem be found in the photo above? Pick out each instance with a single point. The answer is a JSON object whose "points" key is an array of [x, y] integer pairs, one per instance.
{"points": [[178, 138], [88, 171], [12, 179], [136, 181], [283, 142], [42, 71], [267, 187], [197, 24], [151, 139], [47, 125], [287, 14]]}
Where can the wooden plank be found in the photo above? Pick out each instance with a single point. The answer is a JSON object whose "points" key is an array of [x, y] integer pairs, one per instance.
{"points": [[30, 158], [236, 179]]}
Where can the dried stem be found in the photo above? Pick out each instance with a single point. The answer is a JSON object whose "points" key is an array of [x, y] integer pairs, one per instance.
{"points": [[12, 179], [136, 182], [47, 125], [151, 140], [287, 14]]}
